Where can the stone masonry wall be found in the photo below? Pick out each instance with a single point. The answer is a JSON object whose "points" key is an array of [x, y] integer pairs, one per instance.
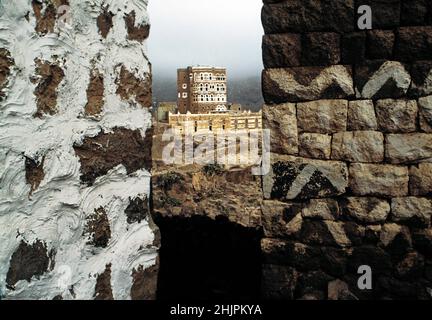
{"points": [[75, 151], [351, 119]]}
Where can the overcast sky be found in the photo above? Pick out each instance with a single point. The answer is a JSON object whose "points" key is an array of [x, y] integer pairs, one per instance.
{"points": [[224, 33]]}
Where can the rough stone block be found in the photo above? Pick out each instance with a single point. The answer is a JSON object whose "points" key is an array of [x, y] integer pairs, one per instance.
{"points": [[312, 15], [322, 116], [298, 178], [361, 115], [282, 50], [307, 84], [397, 115], [380, 80], [421, 179], [380, 44], [353, 48], [409, 148], [315, 145], [321, 209], [291, 253], [414, 43], [281, 220], [282, 121], [421, 74], [412, 210], [366, 210], [320, 49], [425, 113], [324, 233], [378, 180], [358, 146], [385, 13], [414, 12], [278, 282]]}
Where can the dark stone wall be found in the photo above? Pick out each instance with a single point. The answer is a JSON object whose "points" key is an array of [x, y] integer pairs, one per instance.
{"points": [[351, 117]]}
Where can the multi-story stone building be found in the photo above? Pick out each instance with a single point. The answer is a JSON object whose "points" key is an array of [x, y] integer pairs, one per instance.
{"points": [[202, 90]]}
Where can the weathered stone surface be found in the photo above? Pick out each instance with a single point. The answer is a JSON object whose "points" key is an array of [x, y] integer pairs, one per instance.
{"points": [[298, 178], [389, 232], [106, 151], [315, 145], [412, 210], [279, 282], [300, 15], [376, 258], [307, 84], [131, 87], [209, 191], [322, 116], [281, 220], [105, 22], [421, 74], [339, 290], [414, 43], [144, 284], [320, 49], [281, 50], [49, 77], [28, 261], [411, 266], [423, 241], [414, 12], [98, 228], [385, 13], [321, 209], [366, 210], [379, 80], [6, 62], [324, 233], [282, 122], [361, 115], [298, 255], [372, 234], [380, 44], [46, 14], [421, 179], [378, 180], [334, 261], [353, 48], [358, 146], [136, 32], [425, 111], [397, 115], [313, 285], [103, 289], [409, 148], [95, 94], [34, 173], [137, 210]]}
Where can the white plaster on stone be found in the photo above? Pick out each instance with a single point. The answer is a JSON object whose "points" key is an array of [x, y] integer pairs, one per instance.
{"points": [[56, 212]]}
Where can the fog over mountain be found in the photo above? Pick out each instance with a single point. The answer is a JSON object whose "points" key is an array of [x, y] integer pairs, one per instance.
{"points": [[221, 33]]}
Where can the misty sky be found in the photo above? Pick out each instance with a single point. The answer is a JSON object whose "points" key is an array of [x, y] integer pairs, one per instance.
{"points": [[224, 33]]}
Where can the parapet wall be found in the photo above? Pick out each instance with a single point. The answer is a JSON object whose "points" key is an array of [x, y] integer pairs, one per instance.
{"points": [[75, 151], [351, 117]]}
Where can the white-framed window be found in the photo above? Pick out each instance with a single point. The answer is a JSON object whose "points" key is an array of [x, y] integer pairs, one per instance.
{"points": [[184, 86], [179, 95], [185, 95]]}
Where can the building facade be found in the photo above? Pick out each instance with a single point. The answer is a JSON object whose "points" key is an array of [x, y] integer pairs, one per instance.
{"points": [[191, 123], [202, 90]]}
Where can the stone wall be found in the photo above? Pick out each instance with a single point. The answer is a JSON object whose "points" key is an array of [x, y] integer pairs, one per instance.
{"points": [[75, 151], [351, 119]]}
